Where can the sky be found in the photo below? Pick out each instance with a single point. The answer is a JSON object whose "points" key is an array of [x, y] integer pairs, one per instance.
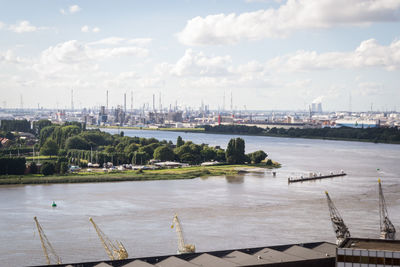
{"points": [[266, 54]]}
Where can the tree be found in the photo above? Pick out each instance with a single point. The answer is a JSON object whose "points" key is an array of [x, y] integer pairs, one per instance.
{"points": [[235, 151], [47, 168], [140, 158], [33, 169], [208, 153], [163, 153], [49, 148], [257, 156], [77, 142], [63, 167], [179, 141], [39, 125]]}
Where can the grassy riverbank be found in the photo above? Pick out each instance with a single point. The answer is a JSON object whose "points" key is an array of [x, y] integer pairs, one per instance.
{"points": [[130, 175]]}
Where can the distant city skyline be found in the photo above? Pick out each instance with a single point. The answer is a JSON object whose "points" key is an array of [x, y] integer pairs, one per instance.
{"points": [[267, 54]]}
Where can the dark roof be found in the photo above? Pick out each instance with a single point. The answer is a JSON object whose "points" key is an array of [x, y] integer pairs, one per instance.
{"points": [[371, 244]]}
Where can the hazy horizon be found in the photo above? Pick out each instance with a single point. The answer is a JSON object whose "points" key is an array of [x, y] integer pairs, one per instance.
{"points": [[269, 54]]}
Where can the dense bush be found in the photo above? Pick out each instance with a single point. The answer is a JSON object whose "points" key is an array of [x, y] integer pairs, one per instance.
{"points": [[47, 168], [13, 165]]}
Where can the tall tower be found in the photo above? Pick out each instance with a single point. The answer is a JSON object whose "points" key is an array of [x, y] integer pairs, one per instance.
{"points": [[132, 102], [125, 102], [21, 102], [154, 102], [159, 102], [231, 102], [223, 103], [107, 101], [72, 99]]}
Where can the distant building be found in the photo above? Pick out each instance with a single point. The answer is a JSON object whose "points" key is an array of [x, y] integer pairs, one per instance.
{"points": [[174, 116], [357, 123]]}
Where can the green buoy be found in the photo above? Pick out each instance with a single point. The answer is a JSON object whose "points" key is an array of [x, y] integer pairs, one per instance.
{"points": [[54, 204]]}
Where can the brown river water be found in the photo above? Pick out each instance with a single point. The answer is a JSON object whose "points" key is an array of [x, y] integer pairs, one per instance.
{"points": [[217, 212]]}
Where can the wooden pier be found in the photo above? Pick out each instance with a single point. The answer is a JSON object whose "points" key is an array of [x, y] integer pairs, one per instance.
{"points": [[311, 178]]}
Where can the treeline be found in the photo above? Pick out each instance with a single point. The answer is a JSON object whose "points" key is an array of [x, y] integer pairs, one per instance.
{"points": [[13, 165], [15, 125], [382, 135]]}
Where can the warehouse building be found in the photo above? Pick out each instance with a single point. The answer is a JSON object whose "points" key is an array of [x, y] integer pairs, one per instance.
{"points": [[317, 254]]}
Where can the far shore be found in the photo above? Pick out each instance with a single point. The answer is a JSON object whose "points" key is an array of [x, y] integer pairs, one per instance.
{"points": [[202, 130], [135, 175]]}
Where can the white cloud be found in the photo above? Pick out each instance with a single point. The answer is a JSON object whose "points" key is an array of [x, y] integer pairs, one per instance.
{"points": [[292, 16], [1, 25], [23, 26], [119, 40], [9, 57], [85, 28], [368, 54], [62, 11], [74, 56], [74, 9], [193, 63]]}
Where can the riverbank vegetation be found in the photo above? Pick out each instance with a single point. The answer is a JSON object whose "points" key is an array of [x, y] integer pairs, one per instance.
{"points": [[377, 135], [64, 148], [134, 175]]}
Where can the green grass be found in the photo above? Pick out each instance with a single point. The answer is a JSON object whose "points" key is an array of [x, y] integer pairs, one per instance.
{"points": [[130, 175]]}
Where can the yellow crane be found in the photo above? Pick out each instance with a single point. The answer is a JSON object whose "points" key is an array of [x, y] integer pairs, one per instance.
{"points": [[182, 247], [115, 251], [48, 249]]}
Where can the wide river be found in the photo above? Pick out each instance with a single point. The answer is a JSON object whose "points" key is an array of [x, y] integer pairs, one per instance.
{"points": [[217, 212]]}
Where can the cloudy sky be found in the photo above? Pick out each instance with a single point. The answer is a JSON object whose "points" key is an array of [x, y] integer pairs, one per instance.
{"points": [[270, 54]]}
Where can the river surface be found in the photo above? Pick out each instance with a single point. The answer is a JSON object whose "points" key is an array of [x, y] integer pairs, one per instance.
{"points": [[217, 212]]}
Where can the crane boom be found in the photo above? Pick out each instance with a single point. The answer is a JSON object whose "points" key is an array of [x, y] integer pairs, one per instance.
{"points": [[115, 251], [182, 247], [341, 230], [48, 249], [388, 231]]}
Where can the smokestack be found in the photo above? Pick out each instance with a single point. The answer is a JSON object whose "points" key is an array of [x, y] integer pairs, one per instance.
{"points": [[154, 103], [107, 100], [132, 102], [125, 102], [72, 99]]}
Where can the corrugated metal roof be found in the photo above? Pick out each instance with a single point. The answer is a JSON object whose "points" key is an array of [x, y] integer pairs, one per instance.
{"points": [[304, 253], [138, 263], [276, 256], [174, 262], [246, 259], [261, 256], [326, 248], [208, 260]]}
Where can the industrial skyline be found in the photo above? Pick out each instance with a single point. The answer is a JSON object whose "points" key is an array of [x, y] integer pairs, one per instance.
{"points": [[270, 55]]}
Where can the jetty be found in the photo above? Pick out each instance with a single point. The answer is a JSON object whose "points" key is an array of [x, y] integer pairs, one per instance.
{"points": [[314, 176]]}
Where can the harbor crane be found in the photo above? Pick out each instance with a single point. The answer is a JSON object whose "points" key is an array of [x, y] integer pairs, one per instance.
{"points": [[341, 230], [115, 251], [182, 247], [48, 250], [388, 231]]}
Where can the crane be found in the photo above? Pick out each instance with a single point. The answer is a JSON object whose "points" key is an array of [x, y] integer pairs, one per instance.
{"points": [[388, 231], [341, 230], [182, 247], [48, 249], [115, 251]]}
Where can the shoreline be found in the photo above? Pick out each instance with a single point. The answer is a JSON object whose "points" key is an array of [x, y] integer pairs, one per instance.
{"points": [[133, 175], [201, 130]]}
